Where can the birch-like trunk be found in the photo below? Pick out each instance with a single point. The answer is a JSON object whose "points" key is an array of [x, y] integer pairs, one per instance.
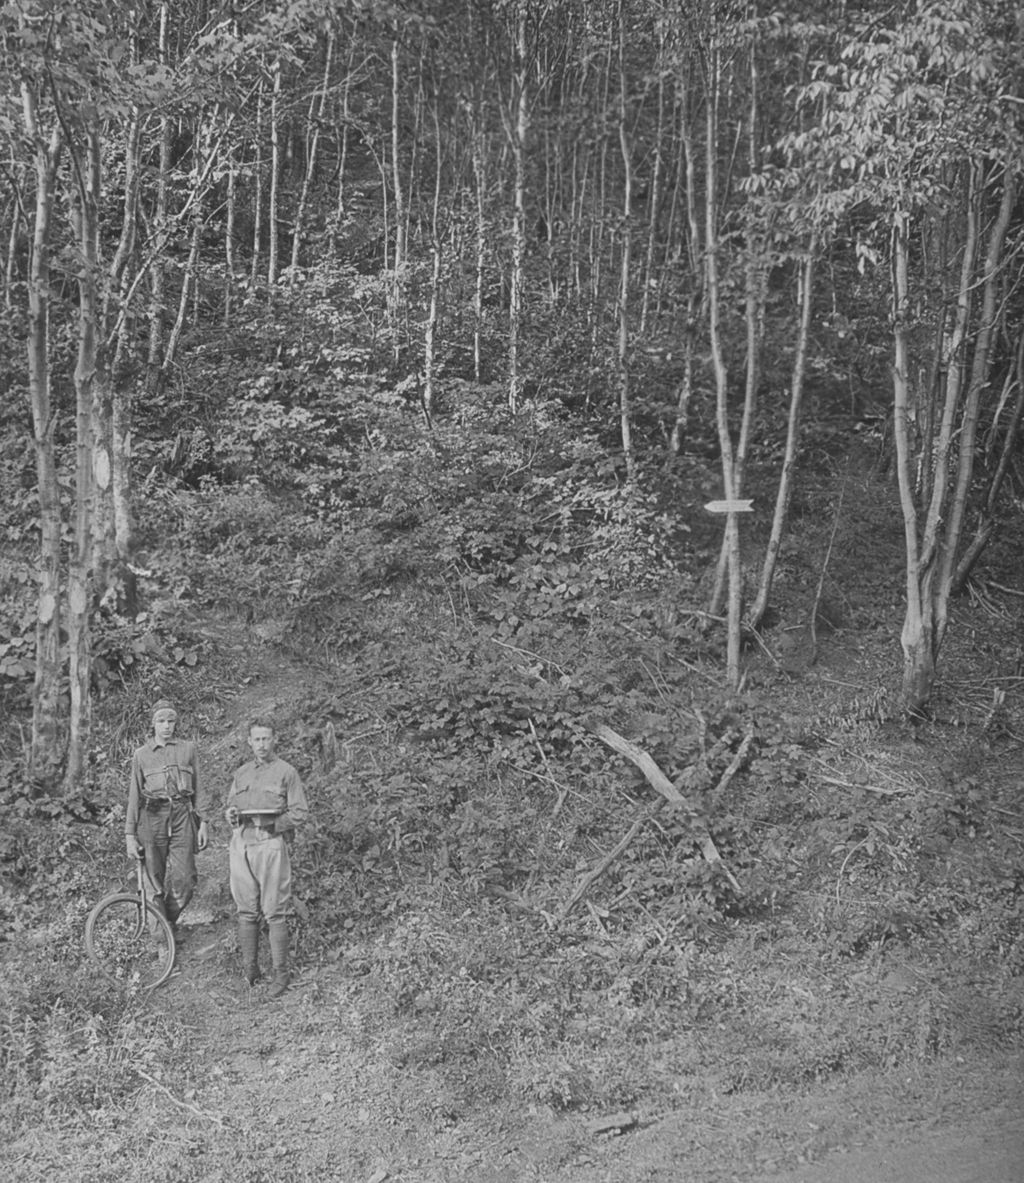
{"points": [[257, 195], [397, 287], [784, 491], [430, 328], [158, 266], [315, 118], [649, 281], [519, 138], [698, 272], [274, 199], [981, 364], [84, 205], [480, 263], [45, 753], [622, 351], [190, 277], [917, 633], [732, 538]]}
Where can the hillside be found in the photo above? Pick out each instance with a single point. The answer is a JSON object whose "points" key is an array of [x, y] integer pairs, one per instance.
{"points": [[451, 1020]]}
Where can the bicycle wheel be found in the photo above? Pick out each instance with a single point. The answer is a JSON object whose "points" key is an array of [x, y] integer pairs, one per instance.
{"points": [[132, 945]]}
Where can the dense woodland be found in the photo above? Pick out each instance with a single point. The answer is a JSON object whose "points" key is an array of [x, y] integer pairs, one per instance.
{"points": [[252, 242], [373, 363]]}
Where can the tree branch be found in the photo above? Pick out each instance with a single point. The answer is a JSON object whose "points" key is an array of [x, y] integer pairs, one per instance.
{"points": [[665, 788]]}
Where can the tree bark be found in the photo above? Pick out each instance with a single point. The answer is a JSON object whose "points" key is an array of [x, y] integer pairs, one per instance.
{"points": [[916, 636], [45, 750], [430, 327], [622, 353], [315, 119], [784, 491], [732, 538], [84, 205], [519, 136], [980, 369], [158, 266], [398, 265]]}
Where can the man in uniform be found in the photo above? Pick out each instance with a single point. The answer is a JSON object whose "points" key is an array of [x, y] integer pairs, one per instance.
{"points": [[165, 821], [265, 802]]}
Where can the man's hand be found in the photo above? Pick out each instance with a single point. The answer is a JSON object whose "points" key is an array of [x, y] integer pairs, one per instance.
{"points": [[202, 836], [231, 814], [133, 847]]}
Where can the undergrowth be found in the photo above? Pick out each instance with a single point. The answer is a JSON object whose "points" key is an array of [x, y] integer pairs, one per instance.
{"points": [[523, 915]]}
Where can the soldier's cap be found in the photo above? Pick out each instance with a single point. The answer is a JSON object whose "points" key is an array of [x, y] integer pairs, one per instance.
{"points": [[164, 704]]}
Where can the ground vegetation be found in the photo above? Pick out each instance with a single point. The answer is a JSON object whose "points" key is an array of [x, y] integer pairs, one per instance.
{"points": [[373, 366]]}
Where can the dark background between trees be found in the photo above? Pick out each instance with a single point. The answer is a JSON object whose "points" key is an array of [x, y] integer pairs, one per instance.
{"points": [[411, 339]]}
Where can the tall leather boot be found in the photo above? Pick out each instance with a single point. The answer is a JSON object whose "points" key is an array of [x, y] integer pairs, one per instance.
{"points": [[249, 944], [279, 955]]}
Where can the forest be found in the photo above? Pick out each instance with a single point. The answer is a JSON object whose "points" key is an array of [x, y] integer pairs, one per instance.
{"points": [[592, 428]]}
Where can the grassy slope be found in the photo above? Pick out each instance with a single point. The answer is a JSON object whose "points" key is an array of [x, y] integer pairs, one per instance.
{"points": [[443, 1026]]}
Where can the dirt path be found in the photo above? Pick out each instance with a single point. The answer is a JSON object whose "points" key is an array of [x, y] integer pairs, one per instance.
{"points": [[988, 1151]]}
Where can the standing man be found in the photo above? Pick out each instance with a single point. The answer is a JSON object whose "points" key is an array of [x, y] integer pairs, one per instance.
{"points": [[165, 821], [265, 803]]}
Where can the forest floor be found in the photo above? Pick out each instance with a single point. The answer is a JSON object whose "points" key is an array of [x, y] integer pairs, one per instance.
{"points": [[297, 1089], [322, 1084]]}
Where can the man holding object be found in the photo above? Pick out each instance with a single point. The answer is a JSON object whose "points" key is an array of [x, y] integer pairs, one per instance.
{"points": [[265, 803]]}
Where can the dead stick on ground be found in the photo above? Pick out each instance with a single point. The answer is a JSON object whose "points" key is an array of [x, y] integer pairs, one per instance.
{"points": [[592, 876], [737, 762], [663, 786], [181, 1104]]}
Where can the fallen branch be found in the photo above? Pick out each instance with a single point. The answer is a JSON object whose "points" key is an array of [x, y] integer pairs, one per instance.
{"points": [[1010, 591], [591, 877], [181, 1104], [845, 784], [736, 764], [663, 786]]}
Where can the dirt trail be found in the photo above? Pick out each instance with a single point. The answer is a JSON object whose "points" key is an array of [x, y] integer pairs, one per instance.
{"points": [[990, 1151]]}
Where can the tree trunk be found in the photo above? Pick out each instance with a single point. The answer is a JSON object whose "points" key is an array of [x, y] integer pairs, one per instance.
{"points": [[257, 197], [274, 196], [987, 519], [917, 634], [84, 204], [938, 441], [190, 275], [519, 134], [397, 293], [980, 369], [316, 119], [339, 208], [622, 353], [158, 266], [697, 270], [654, 201], [45, 753], [754, 301], [430, 328], [480, 173], [732, 539], [785, 487], [230, 220]]}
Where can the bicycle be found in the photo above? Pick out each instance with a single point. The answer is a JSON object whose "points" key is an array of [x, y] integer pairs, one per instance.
{"points": [[129, 938]]}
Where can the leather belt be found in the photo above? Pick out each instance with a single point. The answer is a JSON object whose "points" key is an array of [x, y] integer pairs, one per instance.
{"points": [[259, 823]]}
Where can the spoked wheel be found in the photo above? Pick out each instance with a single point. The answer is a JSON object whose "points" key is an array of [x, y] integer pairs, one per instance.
{"points": [[131, 941]]}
